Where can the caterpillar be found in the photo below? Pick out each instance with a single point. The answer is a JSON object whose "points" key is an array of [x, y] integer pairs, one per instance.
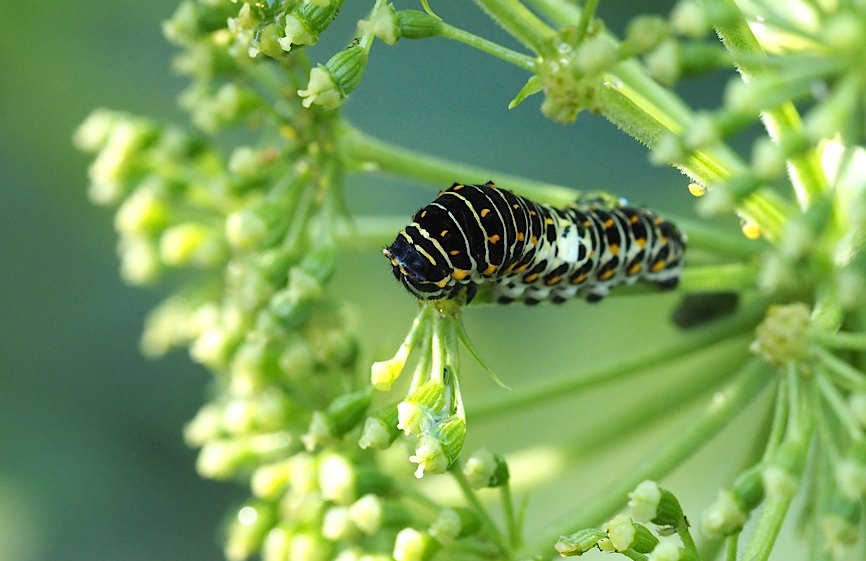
{"points": [[473, 235]]}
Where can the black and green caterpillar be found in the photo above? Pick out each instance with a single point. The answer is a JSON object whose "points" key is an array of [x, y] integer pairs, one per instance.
{"points": [[473, 235]]}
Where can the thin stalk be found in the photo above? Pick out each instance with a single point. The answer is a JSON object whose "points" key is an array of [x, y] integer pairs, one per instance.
{"points": [[842, 372], [714, 278], [693, 341], [633, 555], [369, 152], [519, 60], [710, 238], [586, 14], [486, 520], [520, 23], [722, 407], [511, 522], [841, 340], [767, 529], [731, 547], [837, 403], [806, 174]]}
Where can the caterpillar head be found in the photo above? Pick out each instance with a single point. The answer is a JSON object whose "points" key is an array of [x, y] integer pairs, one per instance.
{"points": [[423, 278]]}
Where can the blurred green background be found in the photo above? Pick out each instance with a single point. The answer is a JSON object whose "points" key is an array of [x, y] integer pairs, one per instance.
{"points": [[92, 463]]}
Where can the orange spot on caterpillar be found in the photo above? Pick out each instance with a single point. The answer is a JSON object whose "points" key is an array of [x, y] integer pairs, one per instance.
{"points": [[553, 280], [530, 278], [634, 269], [606, 275], [641, 242], [548, 221], [489, 270], [520, 237], [454, 252], [459, 274], [634, 219], [657, 266], [494, 238], [578, 279], [614, 249], [443, 233], [485, 212], [608, 223], [533, 240], [521, 268]]}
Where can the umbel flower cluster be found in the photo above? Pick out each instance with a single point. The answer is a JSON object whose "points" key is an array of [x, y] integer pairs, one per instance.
{"points": [[243, 213]]}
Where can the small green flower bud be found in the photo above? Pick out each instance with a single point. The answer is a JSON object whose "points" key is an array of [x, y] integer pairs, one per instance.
{"points": [[92, 134], [723, 517], [595, 55], [141, 213], [621, 531], [220, 459], [689, 19], [205, 426], [367, 513], [319, 432], [645, 32], [663, 63], [337, 479], [851, 475], [275, 546], [380, 430], [703, 131], [428, 397], [414, 24], [139, 260], [190, 243], [768, 161], [579, 542], [337, 525], [412, 545], [783, 335], [307, 21], [115, 164], [247, 531], [213, 347], [439, 448], [309, 547], [346, 411], [643, 502], [666, 550], [330, 84], [668, 150], [383, 24], [454, 523], [781, 475], [269, 481], [483, 469], [748, 488], [245, 229]]}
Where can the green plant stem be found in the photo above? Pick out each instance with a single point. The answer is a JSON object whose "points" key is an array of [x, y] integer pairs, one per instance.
{"points": [[718, 241], [723, 407], [517, 59], [522, 24], [806, 174], [486, 521], [837, 403], [715, 278], [843, 372], [732, 544], [511, 522], [841, 340], [693, 341], [767, 529], [633, 555], [371, 153]]}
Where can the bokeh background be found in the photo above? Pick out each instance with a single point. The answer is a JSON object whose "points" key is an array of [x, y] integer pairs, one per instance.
{"points": [[92, 463]]}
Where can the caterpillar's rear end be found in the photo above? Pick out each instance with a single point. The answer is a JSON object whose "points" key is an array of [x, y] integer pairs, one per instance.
{"points": [[473, 235]]}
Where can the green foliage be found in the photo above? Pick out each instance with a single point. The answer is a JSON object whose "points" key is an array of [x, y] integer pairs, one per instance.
{"points": [[249, 236]]}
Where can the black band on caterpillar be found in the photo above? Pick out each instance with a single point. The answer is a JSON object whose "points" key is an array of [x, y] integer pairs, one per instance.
{"points": [[473, 235]]}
